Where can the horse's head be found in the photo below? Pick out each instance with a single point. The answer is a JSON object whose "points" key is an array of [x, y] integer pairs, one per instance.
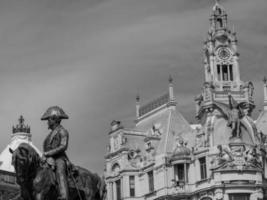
{"points": [[25, 161]]}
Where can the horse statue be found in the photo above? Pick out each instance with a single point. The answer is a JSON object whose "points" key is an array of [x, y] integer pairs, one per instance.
{"points": [[37, 179]]}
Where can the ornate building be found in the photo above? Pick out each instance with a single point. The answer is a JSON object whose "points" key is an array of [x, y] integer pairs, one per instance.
{"points": [[20, 134], [222, 157]]}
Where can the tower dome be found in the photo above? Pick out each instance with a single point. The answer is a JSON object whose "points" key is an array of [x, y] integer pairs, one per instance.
{"points": [[181, 150]]}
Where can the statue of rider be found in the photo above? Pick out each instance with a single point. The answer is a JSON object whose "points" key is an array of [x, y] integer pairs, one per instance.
{"points": [[55, 146]]}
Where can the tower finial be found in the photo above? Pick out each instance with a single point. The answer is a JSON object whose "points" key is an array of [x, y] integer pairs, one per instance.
{"points": [[137, 97], [137, 105], [170, 79], [264, 80], [21, 127], [21, 120], [171, 93]]}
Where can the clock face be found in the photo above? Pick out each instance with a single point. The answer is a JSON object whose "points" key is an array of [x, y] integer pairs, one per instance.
{"points": [[224, 53]]}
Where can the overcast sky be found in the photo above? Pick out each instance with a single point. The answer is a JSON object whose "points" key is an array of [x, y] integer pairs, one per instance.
{"points": [[92, 57]]}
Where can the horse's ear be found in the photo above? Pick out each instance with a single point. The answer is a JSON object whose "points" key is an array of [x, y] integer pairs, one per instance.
{"points": [[11, 150]]}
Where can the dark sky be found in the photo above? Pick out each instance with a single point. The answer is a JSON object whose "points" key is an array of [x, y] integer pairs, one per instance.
{"points": [[92, 57]]}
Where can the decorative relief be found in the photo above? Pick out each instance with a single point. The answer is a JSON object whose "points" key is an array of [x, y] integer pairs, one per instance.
{"points": [[218, 194], [156, 129], [115, 169], [237, 157], [138, 160], [117, 142], [201, 141]]}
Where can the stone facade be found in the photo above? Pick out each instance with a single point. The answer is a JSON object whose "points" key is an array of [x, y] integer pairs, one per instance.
{"points": [[222, 157]]}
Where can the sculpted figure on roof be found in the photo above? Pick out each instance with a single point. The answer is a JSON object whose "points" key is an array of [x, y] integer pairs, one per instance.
{"points": [[233, 113]]}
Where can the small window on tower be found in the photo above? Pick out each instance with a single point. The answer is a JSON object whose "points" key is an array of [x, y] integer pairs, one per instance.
{"points": [[219, 22], [224, 72], [219, 72], [132, 186], [231, 72]]}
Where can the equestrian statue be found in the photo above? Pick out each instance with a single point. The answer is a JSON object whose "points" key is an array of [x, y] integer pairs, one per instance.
{"points": [[53, 176]]}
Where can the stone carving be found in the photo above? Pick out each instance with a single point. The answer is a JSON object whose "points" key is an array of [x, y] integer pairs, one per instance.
{"points": [[157, 129], [224, 156], [202, 139], [233, 113], [218, 194], [180, 148], [262, 139], [237, 157], [135, 158], [252, 156], [250, 89]]}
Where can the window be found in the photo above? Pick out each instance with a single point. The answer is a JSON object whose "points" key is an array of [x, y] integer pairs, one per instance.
{"points": [[150, 181], [179, 172], [132, 186], [231, 72], [239, 196], [224, 73], [203, 168], [118, 189], [220, 23], [219, 72]]}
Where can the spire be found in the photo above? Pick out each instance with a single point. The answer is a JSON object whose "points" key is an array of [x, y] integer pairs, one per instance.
{"points": [[21, 127], [137, 105], [171, 93], [218, 18], [217, 4], [265, 92]]}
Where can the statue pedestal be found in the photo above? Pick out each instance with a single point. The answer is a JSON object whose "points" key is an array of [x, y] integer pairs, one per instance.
{"points": [[237, 147]]}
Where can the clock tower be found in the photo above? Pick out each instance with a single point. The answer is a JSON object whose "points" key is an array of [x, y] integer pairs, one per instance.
{"points": [[222, 76]]}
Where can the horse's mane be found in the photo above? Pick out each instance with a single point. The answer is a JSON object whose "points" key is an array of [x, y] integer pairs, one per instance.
{"points": [[27, 153]]}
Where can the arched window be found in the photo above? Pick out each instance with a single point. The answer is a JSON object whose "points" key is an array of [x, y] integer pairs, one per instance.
{"points": [[225, 72], [231, 72], [219, 22], [116, 168]]}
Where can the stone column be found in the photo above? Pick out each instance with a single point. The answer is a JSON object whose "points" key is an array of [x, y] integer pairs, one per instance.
{"points": [[225, 196], [114, 191], [110, 191]]}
